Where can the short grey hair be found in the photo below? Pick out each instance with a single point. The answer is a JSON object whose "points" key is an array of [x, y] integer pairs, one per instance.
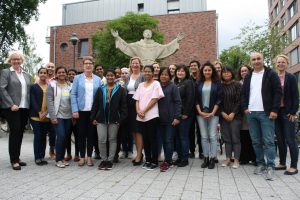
{"points": [[13, 53]]}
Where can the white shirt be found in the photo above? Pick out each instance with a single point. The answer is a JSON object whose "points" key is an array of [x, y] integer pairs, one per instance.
{"points": [[23, 103], [130, 86], [255, 99], [89, 86]]}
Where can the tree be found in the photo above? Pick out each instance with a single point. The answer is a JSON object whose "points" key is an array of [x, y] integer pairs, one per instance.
{"points": [[14, 15], [32, 60], [234, 57], [130, 28], [268, 40]]}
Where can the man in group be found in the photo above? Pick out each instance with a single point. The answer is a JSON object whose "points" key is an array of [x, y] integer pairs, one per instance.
{"points": [[261, 97], [100, 72]]}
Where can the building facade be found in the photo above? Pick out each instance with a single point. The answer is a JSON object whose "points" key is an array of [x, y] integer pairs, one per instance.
{"points": [[187, 16], [285, 15]]}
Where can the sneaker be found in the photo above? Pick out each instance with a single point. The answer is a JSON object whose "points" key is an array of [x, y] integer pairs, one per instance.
{"points": [[130, 155], [146, 165], [38, 162], [52, 154], [270, 174], [164, 167], [192, 155], [212, 163], [226, 163], [65, 163], [177, 162], [44, 162], [259, 170], [152, 166], [123, 155], [108, 165], [175, 155], [60, 164], [183, 163], [236, 164], [102, 165]]}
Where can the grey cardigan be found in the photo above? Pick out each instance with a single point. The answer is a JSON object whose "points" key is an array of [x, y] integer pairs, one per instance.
{"points": [[10, 88], [139, 80]]}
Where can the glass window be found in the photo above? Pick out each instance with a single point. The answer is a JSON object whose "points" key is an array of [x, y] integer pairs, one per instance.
{"points": [[294, 32], [282, 21], [83, 47], [294, 56], [282, 3], [140, 7], [292, 9]]}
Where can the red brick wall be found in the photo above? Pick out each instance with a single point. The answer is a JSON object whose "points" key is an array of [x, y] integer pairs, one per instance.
{"points": [[199, 42]]}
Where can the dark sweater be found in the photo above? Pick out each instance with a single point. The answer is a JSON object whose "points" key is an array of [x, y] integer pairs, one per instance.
{"points": [[36, 100], [117, 111], [231, 98], [187, 95], [170, 106], [290, 94], [271, 91]]}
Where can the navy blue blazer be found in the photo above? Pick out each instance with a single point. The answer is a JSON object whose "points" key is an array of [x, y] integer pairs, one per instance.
{"points": [[36, 100], [290, 94], [215, 95]]}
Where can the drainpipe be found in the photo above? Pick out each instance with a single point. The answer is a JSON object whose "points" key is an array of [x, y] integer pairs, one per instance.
{"points": [[54, 45]]}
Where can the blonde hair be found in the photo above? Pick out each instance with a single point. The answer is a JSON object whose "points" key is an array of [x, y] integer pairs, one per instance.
{"points": [[13, 53], [136, 58], [284, 57]]}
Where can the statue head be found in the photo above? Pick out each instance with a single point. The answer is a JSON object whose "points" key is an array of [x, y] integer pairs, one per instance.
{"points": [[147, 34]]}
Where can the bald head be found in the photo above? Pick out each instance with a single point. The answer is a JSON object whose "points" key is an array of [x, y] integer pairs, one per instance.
{"points": [[257, 61]]}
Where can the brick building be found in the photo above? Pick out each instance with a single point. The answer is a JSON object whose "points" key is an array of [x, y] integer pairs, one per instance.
{"points": [[199, 27]]}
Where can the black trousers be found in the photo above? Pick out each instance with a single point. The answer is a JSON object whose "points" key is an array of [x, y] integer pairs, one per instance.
{"points": [[73, 130], [194, 129], [86, 134], [17, 121], [148, 130], [247, 151]]}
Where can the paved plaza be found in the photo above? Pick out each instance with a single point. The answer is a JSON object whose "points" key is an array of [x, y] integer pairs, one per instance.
{"points": [[128, 182]]}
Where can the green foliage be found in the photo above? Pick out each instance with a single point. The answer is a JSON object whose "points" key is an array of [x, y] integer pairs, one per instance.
{"points": [[130, 28], [264, 39], [32, 60], [14, 15], [234, 57]]}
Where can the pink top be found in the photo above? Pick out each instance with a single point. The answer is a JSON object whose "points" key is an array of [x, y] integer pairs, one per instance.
{"points": [[282, 87], [144, 95]]}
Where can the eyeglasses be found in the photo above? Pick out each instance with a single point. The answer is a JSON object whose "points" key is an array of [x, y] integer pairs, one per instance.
{"points": [[51, 66], [89, 63]]}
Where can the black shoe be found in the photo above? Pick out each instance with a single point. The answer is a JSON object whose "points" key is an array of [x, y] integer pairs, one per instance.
{"points": [[201, 156], [22, 164], [38, 162], [192, 155], [205, 162], [291, 173], [243, 162], [16, 166], [133, 161], [146, 165], [44, 162], [102, 165], [116, 159], [280, 168], [177, 161], [108, 165], [211, 163], [137, 163], [152, 166], [183, 163], [216, 160]]}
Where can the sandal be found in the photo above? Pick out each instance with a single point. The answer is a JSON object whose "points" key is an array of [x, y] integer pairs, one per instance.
{"points": [[81, 162], [90, 162]]}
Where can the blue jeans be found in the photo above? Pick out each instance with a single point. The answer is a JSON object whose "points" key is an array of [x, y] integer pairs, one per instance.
{"points": [[286, 133], [62, 129], [208, 131], [166, 136], [262, 132], [40, 130], [182, 138]]}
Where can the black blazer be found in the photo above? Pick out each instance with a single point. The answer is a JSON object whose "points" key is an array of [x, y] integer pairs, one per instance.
{"points": [[36, 100], [271, 91], [290, 94], [215, 95], [187, 95], [117, 107]]}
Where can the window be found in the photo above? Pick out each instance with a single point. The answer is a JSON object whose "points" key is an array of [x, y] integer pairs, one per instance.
{"points": [[173, 7], [282, 3], [294, 56], [294, 32], [140, 7], [282, 21], [276, 9], [64, 47], [83, 47], [292, 9]]}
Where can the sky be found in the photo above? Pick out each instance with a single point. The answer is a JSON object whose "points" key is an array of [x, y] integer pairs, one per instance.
{"points": [[232, 16]]}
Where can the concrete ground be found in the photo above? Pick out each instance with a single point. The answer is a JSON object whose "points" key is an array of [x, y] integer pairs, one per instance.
{"points": [[128, 182]]}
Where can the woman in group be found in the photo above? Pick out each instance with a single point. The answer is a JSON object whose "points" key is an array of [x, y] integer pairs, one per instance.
{"points": [[285, 122], [71, 75], [59, 109], [172, 69], [247, 151], [208, 99], [230, 118], [15, 91], [156, 71], [39, 122], [169, 115], [147, 96], [131, 84], [187, 95], [83, 91], [108, 112]]}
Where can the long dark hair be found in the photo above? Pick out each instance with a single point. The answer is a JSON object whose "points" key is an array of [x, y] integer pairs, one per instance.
{"points": [[187, 73], [214, 76], [239, 71]]}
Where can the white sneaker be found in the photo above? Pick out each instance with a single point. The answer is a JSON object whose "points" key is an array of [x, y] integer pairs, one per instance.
{"points": [[236, 165], [65, 163], [60, 164], [130, 155], [123, 155], [175, 155]]}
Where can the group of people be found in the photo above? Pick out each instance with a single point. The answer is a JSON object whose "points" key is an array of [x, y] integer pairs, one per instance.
{"points": [[158, 109]]}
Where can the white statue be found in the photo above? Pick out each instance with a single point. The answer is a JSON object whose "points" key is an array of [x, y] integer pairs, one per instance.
{"points": [[147, 49]]}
